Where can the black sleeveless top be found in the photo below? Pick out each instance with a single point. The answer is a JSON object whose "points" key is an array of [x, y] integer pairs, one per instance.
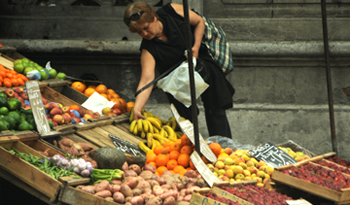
{"points": [[171, 53]]}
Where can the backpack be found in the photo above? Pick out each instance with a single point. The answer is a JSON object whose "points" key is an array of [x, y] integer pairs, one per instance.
{"points": [[214, 38]]}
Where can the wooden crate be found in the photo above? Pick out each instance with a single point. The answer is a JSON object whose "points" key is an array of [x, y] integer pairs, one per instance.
{"points": [[71, 93], [29, 174], [72, 195], [339, 197]]}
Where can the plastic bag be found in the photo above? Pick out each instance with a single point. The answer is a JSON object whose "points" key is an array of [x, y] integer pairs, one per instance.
{"points": [[177, 83], [228, 142]]}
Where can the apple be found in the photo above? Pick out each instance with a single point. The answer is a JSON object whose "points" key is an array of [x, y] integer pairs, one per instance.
{"points": [[67, 118], [24, 95], [76, 119], [9, 92], [44, 100], [56, 111], [87, 116], [65, 109], [111, 114], [58, 119], [18, 90], [117, 111], [106, 110]]}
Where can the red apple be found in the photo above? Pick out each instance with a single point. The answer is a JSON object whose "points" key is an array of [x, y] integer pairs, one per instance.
{"points": [[44, 100], [117, 111], [67, 118], [58, 119], [56, 111], [24, 95], [15, 95], [9, 92], [18, 90], [65, 109]]}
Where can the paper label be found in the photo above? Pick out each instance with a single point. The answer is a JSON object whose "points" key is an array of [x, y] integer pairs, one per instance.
{"points": [[203, 169]]}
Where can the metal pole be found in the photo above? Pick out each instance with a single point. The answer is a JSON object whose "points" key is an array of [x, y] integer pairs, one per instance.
{"points": [[329, 77], [191, 73]]}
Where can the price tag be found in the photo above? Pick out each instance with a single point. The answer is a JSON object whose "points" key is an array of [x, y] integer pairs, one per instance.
{"points": [[203, 169], [298, 202], [187, 128], [271, 155], [38, 108]]}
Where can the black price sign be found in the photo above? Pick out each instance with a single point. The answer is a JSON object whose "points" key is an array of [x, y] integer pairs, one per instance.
{"points": [[272, 155]]}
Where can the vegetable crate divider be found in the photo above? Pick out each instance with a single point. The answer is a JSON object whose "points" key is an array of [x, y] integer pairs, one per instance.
{"points": [[339, 197], [97, 133], [25, 171]]}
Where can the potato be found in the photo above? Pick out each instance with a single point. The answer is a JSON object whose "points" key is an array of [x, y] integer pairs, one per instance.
{"points": [[89, 188], [191, 174], [136, 200], [157, 190], [154, 201], [167, 172], [125, 166], [191, 189], [169, 193], [150, 168], [152, 182], [188, 197], [126, 190], [104, 185], [136, 168], [114, 188], [147, 197], [143, 185], [109, 198], [116, 182], [146, 174], [132, 182], [130, 173], [118, 197], [166, 186], [103, 193], [161, 180], [169, 201], [136, 192]]}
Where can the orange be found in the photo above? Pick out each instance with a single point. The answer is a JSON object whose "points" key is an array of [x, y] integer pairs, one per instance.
{"points": [[205, 160], [74, 107], [161, 169], [184, 160], [23, 77], [182, 172], [9, 75], [175, 146], [2, 73], [168, 144], [115, 95], [171, 164], [186, 150], [174, 154], [79, 86], [7, 83], [101, 88], [189, 168], [13, 72], [110, 91], [1, 79], [161, 160], [150, 157], [123, 104], [178, 168], [129, 105], [158, 149], [14, 82], [89, 91], [216, 148], [20, 81], [165, 150], [91, 86], [104, 95], [192, 165], [185, 140], [2, 67]]}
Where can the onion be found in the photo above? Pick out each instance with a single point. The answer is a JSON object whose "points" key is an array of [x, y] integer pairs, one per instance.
{"points": [[88, 165], [82, 165], [76, 170], [64, 162], [74, 162], [85, 173]]}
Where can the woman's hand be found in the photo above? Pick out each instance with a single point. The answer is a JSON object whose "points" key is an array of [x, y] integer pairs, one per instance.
{"points": [[138, 115], [195, 52]]}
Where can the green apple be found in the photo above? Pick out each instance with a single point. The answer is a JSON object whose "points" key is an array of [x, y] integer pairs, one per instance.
{"points": [[31, 64], [25, 60], [27, 69], [19, 67], [44, 74], [17, 61], [53, 73], [61, 76]]}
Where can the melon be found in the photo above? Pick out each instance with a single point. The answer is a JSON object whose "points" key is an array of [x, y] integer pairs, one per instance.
{"points": [[109, 158]]}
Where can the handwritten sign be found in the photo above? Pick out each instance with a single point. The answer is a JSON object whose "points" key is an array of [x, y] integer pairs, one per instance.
{"points": [[37, 105], [203, 169], [272, 155], [187, 128]]}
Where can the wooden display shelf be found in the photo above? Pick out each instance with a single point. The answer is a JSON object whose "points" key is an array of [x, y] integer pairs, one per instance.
{"points": [[339, 197]]}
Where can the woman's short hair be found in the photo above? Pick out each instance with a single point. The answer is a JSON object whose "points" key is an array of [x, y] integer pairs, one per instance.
{"points": [[147, 16]]}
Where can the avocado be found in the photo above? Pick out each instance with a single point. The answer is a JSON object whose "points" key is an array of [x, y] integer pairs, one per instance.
{"points": [[13, 105], [4, 111], [15, 115], [3, 126], [3, 95], [18, 105], [24, 125], [4, 102], [11, 121]]}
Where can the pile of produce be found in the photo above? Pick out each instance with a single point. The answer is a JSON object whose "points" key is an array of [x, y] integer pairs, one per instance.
{"points": [[299, 156], [34, 71], [76, 149], [144, 186], [79, 166], [10, 78], [44, 164], [14, 115], [120, 106], [258, 195]]}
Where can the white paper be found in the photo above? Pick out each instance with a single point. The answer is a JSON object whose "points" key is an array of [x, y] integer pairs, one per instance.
{"points": [[97, 102]]}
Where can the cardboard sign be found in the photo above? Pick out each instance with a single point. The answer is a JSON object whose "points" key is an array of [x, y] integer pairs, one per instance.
{"points": [[271, 155], [203, 169], [37, 105], [187, 128]]}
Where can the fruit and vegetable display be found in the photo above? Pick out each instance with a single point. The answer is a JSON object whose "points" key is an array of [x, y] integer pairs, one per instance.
{"points": [[34, 71], [120, 105], [10, 78]]}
